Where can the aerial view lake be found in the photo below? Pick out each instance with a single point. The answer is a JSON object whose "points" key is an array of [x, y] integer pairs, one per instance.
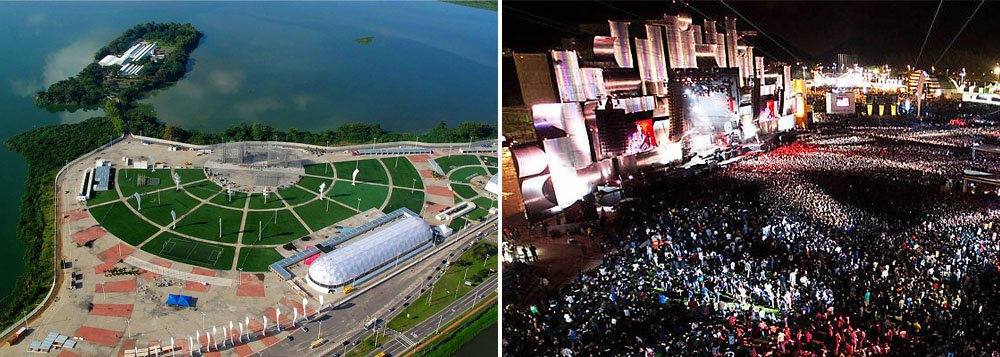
{"points": [[312, 66]]}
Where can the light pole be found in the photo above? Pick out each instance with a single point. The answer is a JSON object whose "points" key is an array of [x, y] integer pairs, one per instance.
{"points": [[996, 71]]}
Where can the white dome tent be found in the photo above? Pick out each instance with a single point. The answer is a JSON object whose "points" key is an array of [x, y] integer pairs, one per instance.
{"points": [[367, 254]]}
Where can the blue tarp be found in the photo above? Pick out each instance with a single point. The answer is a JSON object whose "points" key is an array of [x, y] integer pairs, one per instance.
{"points": [[179, 300]]}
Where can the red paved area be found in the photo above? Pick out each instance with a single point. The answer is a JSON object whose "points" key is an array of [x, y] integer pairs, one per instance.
{"points": [[255, 326], [66, 353], [73, 215], [99, 336], [115, 253], [297, 304], [193, 286], [113, 310], [103, 267], [438, 190], [286, 318], [202, 271], [419, 158], [269, 340], [88, 235], [150, 276], [212, 354], [243, 350], [426, 173], [126, 345], [251, 285], [124, 286], [435, 208]]}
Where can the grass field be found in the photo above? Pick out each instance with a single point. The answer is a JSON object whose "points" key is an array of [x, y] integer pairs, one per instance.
{"points": [[117, 219], [449, 163], [103, 196], [257, 259], [191, 252], [369, 170], [294, 195], [285, 230], [204, 223], [190, 175], [239, 199], [458, 223], [402, 171], [485, 203], [449, 344], [466, 174], [204, 189], [464, 190], [444, 289], [319, 170], [157, 206], [400, 197], [489, 160], [372, 196], [257, 201], [492, 170], [128, 180], [319, 214], [312, 183]]}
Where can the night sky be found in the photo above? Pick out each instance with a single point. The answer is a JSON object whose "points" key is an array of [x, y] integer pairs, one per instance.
{"points": [[880, 32]]}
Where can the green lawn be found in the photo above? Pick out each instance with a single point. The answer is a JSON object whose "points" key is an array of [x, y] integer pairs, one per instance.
{"points": [[458, 223], [257, 201], [238, 202], [285, 230], [319, 170], [190, 175], [312, 183], [489, 160], [192, 252], [469, 329], [128, 180], [492, 170], [476, 214], [452, 162], [463, 190], [257, 259], [157, 206], [204, 223], [485, 203], [444, 288], [466, 174], [117, 219], [372, 196], [103, 196], [204, 189], [414, 200], [402, 171], [321, 214], [369, 170], [294, 195]]}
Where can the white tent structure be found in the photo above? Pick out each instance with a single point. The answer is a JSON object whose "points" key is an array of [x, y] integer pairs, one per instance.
{"points": [[367, 254]]}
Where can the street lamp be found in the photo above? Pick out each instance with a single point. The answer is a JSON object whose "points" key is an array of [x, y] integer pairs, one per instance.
{"points": [[996, 71]]}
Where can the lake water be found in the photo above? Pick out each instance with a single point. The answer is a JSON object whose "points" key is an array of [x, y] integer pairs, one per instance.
{"points": [[285, 64]]}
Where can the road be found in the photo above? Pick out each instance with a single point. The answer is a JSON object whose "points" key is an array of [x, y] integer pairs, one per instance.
{"points": [[399, 342], [344, 322]]}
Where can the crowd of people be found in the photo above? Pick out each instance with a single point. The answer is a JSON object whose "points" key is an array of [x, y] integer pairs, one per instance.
{"points": [[840, 245]]}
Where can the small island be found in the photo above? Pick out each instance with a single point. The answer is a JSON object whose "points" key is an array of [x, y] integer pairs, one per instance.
{"points": [[146, 57], [364, 40]]}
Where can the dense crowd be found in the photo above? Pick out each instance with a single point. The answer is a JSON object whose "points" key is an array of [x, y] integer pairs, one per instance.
{"points": [[842, 245]]}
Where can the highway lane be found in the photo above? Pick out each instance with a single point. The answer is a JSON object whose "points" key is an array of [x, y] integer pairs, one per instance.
{"points": [[400, 342]]}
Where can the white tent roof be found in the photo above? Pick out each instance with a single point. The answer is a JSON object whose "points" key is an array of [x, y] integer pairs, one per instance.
{"points": [[359, 257]]}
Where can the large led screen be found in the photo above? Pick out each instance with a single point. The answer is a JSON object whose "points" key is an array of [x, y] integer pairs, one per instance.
{"points": [[641, 138]]}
